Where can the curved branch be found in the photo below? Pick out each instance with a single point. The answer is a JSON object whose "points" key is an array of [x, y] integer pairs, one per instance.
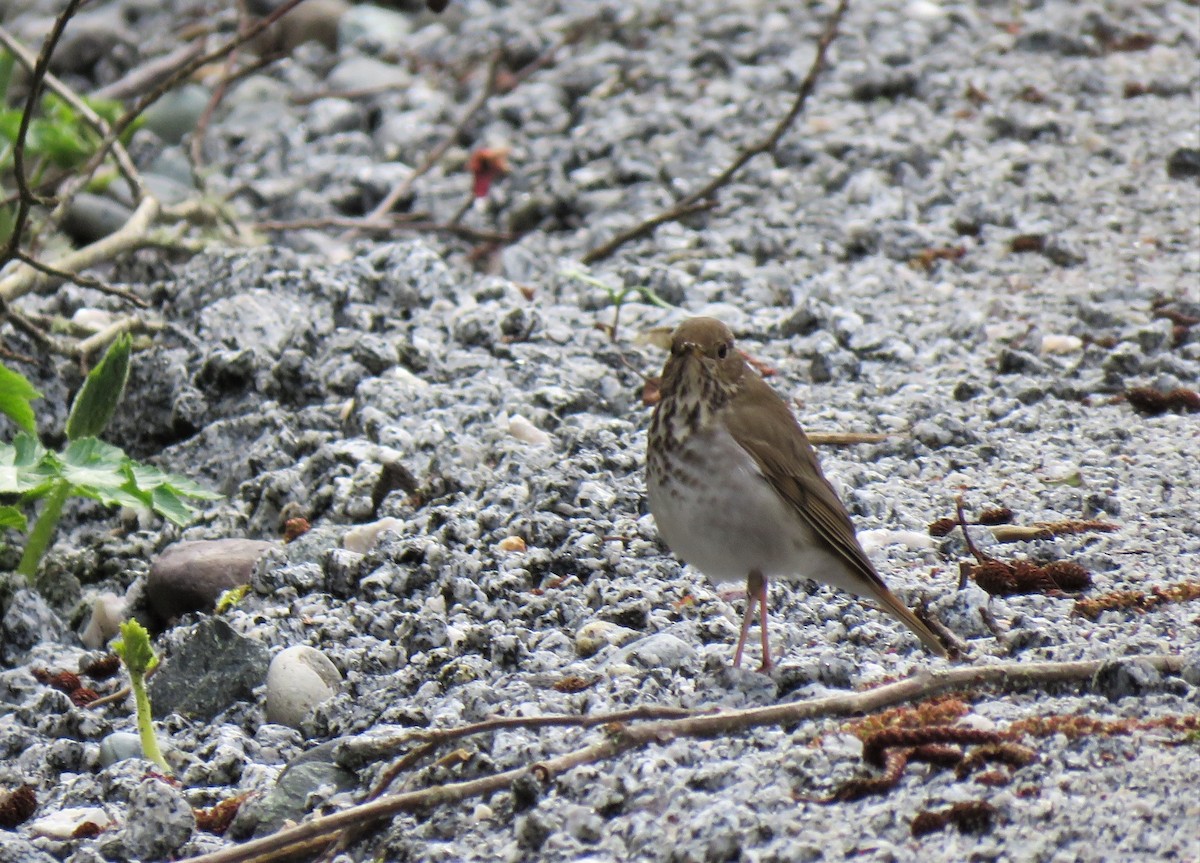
{"points": [[315, 834], [690, 202]]}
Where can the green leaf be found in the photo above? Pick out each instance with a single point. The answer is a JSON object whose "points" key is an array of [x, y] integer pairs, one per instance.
{"points": [[23, 465], [653, 298], [16, 393], [7, 61], [149, 477], [97, 399], [171, 507], [108, 109], [61, 144], [94, 465], [8, 215], [12, 518], [10, 124], [134, 649]]}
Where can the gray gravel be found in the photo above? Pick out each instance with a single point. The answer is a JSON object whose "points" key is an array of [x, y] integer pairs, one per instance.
{"points": [[294, 373]]}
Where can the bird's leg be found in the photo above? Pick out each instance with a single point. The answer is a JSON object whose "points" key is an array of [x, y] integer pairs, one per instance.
{"points": [[752, 596], [759, 586]]}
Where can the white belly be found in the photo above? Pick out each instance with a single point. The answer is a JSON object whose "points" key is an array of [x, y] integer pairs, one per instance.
{"points": [[729, 523]]}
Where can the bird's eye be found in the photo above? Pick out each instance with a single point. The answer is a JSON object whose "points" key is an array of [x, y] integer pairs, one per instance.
{"points": [[723, 351]]}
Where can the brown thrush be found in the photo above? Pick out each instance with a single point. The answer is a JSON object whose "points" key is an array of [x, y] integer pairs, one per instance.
{"points": [[736, 488]]}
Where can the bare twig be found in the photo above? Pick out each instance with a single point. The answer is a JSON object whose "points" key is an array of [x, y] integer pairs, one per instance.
{"points": [[83, 281], [89, 347], [390, 224], [147, 75], [229, 74], [962, 522], [171, 80], [132, 235], [25, 196], [28, 327], [317, 833], [845, 438], [52, 83], [685, 205], [401, 189]]}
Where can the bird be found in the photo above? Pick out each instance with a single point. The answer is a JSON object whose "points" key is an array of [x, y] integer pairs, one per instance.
{"points": [[737, 491]]}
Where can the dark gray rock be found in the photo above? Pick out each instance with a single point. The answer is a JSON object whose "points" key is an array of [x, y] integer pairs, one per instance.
{"points": [[211, 668], [28, 620], [289, 799], [91, 217]]}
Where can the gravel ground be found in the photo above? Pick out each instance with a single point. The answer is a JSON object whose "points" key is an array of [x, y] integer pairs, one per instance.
{"points": [[981, 233]]}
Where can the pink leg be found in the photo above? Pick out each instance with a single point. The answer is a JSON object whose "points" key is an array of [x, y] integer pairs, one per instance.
{"points": [[767, 663], [751, 598]]}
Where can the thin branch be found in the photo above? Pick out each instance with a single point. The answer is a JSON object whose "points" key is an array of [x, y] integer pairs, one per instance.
{"points": [[766, 145], [371, 748], [80, 107], [25, 197], [317, 833], [93, 344], [845, 438], [395, 222], [401, 189], [180, 74], [132, 235], [147, 75], [44, 340], [83, 281], [229, 74], [671, 214]]}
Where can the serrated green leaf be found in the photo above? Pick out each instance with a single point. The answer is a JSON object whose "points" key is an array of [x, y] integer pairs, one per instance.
{"points": [[91, 462], [171, 507], [12, 518], [134, 649], [23, 465], [101, 392], [16, 393], [125, 495], [149, 478]]}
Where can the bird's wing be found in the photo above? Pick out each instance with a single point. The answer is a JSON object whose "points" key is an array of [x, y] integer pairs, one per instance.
{"points": [[762, 424]]}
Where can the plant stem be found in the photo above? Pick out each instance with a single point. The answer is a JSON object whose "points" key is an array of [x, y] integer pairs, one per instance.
{"points": [[43, 530], [137, 682]]}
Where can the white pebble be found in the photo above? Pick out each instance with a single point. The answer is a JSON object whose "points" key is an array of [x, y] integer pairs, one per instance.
{"points": [[1058, 343], [365, 537], [298, 679], [63, 823], [523, 430]]}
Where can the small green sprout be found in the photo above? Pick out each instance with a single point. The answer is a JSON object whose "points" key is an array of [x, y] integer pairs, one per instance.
{"points": [[229, 598], [619, 296], [138, 656]]}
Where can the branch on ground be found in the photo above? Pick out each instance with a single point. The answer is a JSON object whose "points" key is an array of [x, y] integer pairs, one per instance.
{"points": [[704, 196], [620, 737]]}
